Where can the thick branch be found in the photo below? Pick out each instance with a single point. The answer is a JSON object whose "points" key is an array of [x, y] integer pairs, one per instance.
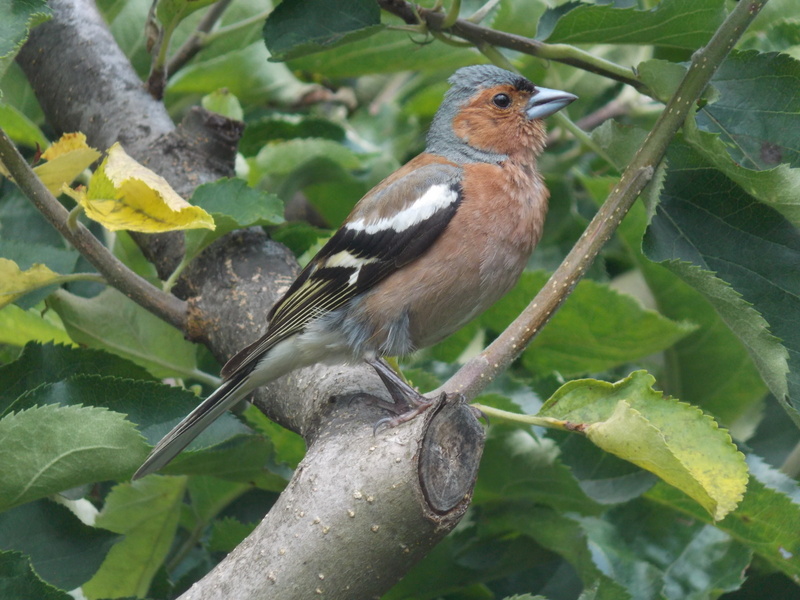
{"points": [[165, 306], [474, 376]]}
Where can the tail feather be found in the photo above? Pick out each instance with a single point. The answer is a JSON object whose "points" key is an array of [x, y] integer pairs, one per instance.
{"points": [[225, 397]]}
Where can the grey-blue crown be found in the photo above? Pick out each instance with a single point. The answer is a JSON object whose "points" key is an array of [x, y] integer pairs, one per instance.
{"points": [[464, 83]]}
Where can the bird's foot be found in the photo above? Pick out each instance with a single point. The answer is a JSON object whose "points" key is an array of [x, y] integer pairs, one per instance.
{"points": [[408, 402]]}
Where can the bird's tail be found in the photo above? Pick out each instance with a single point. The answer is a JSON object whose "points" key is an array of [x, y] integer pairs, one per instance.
{"points": [[223, 398]]}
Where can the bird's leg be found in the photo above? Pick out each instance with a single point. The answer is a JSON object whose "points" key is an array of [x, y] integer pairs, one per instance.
{"points": [[408, 402]]}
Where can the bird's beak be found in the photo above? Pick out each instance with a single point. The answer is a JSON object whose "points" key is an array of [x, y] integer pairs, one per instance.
{"points": [[546, 102]]}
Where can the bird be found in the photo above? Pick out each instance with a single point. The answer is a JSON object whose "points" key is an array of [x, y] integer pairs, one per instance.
{"points": [[421, 254]]}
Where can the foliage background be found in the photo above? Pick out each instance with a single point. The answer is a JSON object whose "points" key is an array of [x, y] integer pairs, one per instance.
{"points": [[552, 514]]}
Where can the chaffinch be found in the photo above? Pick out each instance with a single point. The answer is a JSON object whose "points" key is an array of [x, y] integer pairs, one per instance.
{"points": [[426, 250]]}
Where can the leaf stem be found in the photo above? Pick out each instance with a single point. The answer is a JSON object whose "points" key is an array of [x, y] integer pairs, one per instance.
{"points": [[167, 307], [476, 374], [548, 422]]}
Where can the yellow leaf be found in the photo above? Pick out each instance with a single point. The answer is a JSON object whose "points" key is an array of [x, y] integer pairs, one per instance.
{"points": [[14, 282], [66, 159], [124, 194]]}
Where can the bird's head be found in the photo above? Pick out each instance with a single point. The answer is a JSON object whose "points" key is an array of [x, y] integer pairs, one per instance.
{"points": [[489, 114]]}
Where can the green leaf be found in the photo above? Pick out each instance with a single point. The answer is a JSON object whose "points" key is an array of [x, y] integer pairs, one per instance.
{"points": [[757, 110], [710, 367], [766, 521], [19, 127], [224, 103], [299, 27], [19, 326], [63, 551], [48, 449], [27, 254], [742, 256], [245, 73], [674, 440], [519, 466], [596, 329], [280, 127], [388, 52], [234, 205], [672, 23], [562, 535], [115, 323], [19, 581], [172, 12], [282, 158], [146, 512], [776, 187], [156, 408], [17, 18], [228, 533], [49, 363]]}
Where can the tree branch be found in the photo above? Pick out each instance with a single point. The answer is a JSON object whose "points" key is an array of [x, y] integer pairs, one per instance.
{"points": [[196, 42], [165, 306], [474, 376], [480, 36]]}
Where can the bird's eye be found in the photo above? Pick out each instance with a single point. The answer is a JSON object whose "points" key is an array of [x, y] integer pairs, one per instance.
{"points": [[502, 101]]}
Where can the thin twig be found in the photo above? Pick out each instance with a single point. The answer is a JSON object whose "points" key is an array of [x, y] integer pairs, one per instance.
{"points": [[166, 306], [480, 36], [197, 41], [474, 376]]}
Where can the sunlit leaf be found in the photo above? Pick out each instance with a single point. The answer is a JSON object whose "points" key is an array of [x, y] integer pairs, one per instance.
{"points": [[676, 441], [123, 194], [66, 159], [15, 283]]}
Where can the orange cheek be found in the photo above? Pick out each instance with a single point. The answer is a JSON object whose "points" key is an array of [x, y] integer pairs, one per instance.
{"points": [[503, 134]]}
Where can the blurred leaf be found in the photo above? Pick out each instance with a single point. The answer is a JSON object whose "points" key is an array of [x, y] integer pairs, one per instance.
{"points": [[64, 551], [387, 52], [672, 23], [233, 205], [519, 466], [228, 533], [676, 441], [19, 127], [563, 535], [19, 326], [661, 76], [766, 521], [757, 111], [596, 329], [742, 256], [299, 27], [49, 363], [172, 12], [244, 458], [115, 323], [245, 73], [282, 158], [222, 102], [15, 283], [48, 449], [17, 18], [290, 447], [281, 127], [210, 495], [146, 512], [123, 194], [19, 581]]}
